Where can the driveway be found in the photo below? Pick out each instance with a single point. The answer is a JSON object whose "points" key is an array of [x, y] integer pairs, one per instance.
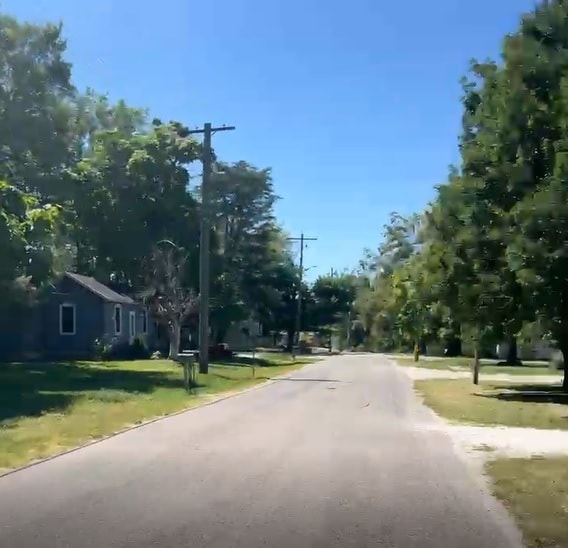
{"points": [[339, 454]]}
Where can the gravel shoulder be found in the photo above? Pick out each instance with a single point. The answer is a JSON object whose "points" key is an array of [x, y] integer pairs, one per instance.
{"points": [[489, 442], [421, 373]]}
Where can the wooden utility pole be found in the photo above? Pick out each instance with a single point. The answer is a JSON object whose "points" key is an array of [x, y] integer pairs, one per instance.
{"points": [[204, 243], [301, 239]]}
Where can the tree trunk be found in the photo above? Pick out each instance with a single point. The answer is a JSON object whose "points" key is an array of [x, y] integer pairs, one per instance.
{"points": [[290, 342], [476, 365], [564, 350], [174, 333], [416, 351], [512, 352]]}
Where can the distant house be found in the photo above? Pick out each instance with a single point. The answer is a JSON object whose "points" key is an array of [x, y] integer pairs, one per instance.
{"points": [[240, 335], [538, 350], [74, 313]]}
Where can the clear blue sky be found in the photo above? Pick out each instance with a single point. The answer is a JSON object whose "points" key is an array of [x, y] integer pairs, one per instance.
{"points": [[355, 105]]}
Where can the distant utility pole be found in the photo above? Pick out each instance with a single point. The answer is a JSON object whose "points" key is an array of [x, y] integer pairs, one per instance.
{"points": [[301, 239], [204, 243]]}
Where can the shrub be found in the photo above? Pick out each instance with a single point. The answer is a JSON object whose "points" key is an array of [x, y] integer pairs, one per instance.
{"points": [[101, 349], [125, 350]]}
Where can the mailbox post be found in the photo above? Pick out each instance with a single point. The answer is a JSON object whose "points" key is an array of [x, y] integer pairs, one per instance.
{"points": [[187, 360]]}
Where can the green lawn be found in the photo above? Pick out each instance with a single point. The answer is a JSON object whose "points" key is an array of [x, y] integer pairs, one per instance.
{"points": [[509, 404], [488, 367], [49, 407], [536, 493]]}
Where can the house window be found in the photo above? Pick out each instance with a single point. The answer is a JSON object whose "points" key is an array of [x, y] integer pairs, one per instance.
{"points": [[132, 324], [144, 321], [67, 319], [117, 319]]}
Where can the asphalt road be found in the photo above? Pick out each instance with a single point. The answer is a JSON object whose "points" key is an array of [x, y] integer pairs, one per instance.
{"points": [[337, 455]]}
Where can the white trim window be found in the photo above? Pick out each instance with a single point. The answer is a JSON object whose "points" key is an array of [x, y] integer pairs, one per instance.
{"points": [[67, 319], [132, 324], [144, 321], [117, 318]]}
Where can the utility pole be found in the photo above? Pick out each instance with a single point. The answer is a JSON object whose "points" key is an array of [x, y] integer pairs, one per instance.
{"points": [[204, 243], [301, 239]]}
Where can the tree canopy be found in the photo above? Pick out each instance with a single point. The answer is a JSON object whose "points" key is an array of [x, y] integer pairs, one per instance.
{"points": [[90, 185], [491, 257]]}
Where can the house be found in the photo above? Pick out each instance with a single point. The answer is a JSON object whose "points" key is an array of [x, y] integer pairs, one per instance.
{"points": [[75, 312], [240, 335], [538, 350]]}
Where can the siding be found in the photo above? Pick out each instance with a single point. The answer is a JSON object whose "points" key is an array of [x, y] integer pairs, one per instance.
{"points": [[88, 320], [109, 330]]}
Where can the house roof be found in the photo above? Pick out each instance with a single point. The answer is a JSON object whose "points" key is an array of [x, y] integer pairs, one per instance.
{"points": [[99, 289]]}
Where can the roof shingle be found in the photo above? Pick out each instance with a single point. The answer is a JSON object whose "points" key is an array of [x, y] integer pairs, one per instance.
{"points": [[99, 289]]}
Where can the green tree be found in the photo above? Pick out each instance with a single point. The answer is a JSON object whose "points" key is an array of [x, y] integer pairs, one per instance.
{"points": [[247, 242], [536, 63], [28, 232], [130, 192], [36, 111], [333, 303]]}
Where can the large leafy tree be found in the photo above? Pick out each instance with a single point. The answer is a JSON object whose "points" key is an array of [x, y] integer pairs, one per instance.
{"points": [[130, 192], [333, 302], [536, 66], [248, 243], [36, 106]]}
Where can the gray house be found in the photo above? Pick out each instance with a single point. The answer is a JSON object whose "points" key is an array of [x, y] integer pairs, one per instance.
{"points": [[74, 313]]}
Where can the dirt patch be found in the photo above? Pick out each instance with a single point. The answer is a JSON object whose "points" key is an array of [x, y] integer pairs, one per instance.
{"points": [[503, 441]]}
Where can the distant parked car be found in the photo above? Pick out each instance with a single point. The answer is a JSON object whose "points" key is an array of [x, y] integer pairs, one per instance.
{"points": [[220, 352]]}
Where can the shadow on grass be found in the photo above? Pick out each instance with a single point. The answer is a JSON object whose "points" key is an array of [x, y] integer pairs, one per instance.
{"points": [[529, 393], [31, 389]]}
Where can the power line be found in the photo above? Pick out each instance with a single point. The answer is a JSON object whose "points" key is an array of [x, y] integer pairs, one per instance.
{"points": [[302, 239], [204, 243]]}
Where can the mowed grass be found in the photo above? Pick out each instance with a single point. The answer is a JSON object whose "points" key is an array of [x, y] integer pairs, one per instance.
{"points": [[488, 367], [490, 403], [536, 493], [46, 408]]}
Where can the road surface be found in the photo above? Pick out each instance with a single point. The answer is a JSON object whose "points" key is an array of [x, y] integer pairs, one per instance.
{"points": [[338, 454]]}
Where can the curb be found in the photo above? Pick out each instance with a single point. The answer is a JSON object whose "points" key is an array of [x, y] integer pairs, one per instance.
{"points": [[213, 401]]}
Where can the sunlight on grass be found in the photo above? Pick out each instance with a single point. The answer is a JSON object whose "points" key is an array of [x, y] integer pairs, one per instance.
{"points": [[536, 493], [47, 408], [496, 403]]}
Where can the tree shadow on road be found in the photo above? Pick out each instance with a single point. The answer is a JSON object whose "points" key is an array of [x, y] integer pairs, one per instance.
{"points": [[297, 379], [239, 361]]}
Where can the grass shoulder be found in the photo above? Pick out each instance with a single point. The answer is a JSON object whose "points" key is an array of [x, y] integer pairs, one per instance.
{"points": [[50, 407], [536, 493], [491, 403]]}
